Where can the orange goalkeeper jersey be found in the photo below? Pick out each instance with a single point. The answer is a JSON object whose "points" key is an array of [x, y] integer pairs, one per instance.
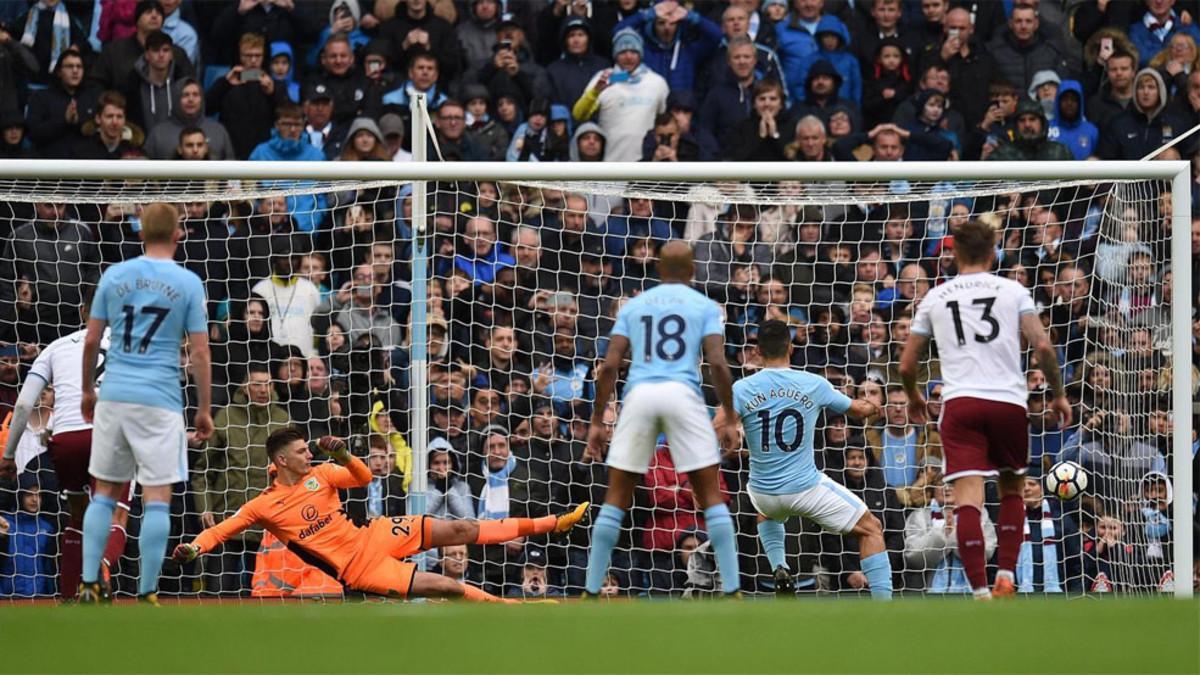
{"points": [[307, 517]]}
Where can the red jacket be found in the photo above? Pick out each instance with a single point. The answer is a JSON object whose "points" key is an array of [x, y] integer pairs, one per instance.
{"points": [[674, 506]]}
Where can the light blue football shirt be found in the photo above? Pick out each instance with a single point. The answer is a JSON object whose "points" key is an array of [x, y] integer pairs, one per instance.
{"points": [[151, 305], [779, 408], [666, 327]]}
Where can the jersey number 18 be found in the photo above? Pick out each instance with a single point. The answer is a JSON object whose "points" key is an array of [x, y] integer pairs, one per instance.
{"points": [[669, 346]]}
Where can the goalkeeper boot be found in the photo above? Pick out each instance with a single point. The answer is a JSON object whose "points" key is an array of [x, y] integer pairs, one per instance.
{"points": [[785, 586], [1004, 586], [568, 520], [149, 599]]}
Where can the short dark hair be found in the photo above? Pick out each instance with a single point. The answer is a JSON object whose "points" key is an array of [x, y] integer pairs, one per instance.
{"points": [[278, 441], [974, 241], [773, 339], [288, 109], [188, 131], [158, 39]]}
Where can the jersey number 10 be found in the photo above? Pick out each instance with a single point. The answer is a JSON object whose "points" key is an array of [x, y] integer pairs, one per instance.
{"points": [[764, 419]]}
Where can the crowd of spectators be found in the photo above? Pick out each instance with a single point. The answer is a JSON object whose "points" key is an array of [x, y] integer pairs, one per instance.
{"points": [[310, 293]]}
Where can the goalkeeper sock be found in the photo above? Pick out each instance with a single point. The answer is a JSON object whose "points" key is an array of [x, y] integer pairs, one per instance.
{"points": [[507, 529], [1010, 531], [771, 534], [474, 594], [878, 569], [96, 522], [969, 530], [152, 544], [604, 538], [720, 531]]}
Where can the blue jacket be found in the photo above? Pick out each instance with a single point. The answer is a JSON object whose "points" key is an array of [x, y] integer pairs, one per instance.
{"points": [[26, 561], [842, 59], [483, 270], [1079, 135], [293, 87], [358, 40], [307, 210], [678, 62], [794, 45], [1148, 45]]}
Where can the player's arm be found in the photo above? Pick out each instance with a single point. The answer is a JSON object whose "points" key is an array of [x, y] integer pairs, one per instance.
{"points": [[14, 425], [1036, 337], [91, 354], [861, 408], [714, 353], [246, 517], [606, 382], [200, 355], [350, 472]]}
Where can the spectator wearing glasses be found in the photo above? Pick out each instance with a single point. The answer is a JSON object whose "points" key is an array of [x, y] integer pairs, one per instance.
{"points": [[56, 114]]}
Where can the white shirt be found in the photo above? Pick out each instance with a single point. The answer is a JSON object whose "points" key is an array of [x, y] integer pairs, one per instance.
{"points": [[627, 112], [976, 321], [61, 366], [291, 306]]}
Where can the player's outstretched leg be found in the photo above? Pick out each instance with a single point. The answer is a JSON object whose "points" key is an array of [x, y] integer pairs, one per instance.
{"points": [[772, 536], [429, 585], [968, 529], [719, 523], [876, 565], [453, 532], [1010, 532]]}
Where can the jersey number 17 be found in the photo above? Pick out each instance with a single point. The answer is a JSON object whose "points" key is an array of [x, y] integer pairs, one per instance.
{"points": [[159, 314]]}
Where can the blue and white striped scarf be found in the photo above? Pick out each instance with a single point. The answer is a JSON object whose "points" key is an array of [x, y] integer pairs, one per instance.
{"points": [[493, 502], [1027, 581], [60, 36]]}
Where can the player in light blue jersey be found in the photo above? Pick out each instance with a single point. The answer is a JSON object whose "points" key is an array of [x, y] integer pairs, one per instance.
{"points": [[664, 332], [152, 305], [779, 408]]}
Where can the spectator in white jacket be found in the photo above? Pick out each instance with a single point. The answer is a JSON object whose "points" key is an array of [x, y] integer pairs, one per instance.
{"points": [[626, 97], [931, 548], [449, 496]]}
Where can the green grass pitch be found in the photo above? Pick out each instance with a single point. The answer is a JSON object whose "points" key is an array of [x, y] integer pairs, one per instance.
{"points": [[906, 636]]}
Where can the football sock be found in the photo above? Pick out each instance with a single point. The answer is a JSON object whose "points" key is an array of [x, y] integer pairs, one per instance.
{"points": [[771, 534], [720, 531], [96, 522], [70, 546], [116, 545], [507, 529], [152, 544], [969, 530], [604, 538], [878, 569], [1010, 531], [474, 594]]}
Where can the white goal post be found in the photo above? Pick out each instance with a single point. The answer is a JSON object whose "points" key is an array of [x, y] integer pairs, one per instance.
{"points": [[49, 173]]}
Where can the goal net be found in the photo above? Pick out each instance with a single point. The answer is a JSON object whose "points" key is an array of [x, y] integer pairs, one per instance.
{"points": [[313, 288]]}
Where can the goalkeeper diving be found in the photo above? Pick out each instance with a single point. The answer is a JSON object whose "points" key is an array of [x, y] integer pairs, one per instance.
{"points": [[302, 509]]}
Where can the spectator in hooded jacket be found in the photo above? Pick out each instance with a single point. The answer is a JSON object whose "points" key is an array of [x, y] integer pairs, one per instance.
{"points": [[155, 82], [1028, 139], [27, 546], [570, 73], [345, 18], [246, 106], [481, 128], [1154, 29], [931, 115], [283, 69], [887, 84], [188, 113], [627, 98], [289, 143], [1071, 126], [1146, 124], [833, 45], [821, 96], [416, 29], [512, 68], [676, 40], [795, 39], [477, 35]]}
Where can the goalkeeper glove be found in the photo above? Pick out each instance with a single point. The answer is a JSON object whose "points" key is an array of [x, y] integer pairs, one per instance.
{"points": [[4, 430], [335, 448], [399, 445], [185, 553]]}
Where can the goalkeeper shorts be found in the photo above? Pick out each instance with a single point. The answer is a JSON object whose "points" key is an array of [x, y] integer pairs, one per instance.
{"points": [[376, 567]]}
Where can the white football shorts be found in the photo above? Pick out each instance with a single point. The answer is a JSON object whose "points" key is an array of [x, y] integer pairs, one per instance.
{"points": [[138, 441], [827, 504], [673, 408]]}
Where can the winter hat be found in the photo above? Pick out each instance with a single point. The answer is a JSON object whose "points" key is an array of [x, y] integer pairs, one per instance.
{"points": [[768, 3], [391, 124], [575, 22], [367, 124], [350, 5], [473, 91], [1043, 77], [559, 113], [628, 40]]}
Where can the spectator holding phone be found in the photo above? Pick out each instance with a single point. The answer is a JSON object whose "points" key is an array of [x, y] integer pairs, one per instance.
{"points": [[245, 99], [344, 19], [512, 68], [627, 98]]}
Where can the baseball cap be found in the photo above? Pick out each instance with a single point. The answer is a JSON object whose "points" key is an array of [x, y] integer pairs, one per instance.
{"points": [[315, 91], [391, 124]]}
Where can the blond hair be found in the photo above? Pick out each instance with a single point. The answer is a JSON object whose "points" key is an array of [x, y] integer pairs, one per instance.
{"points": [[159, 222]]}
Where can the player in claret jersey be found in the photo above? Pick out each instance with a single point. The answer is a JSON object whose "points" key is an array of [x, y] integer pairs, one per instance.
{"points": [[978, 320], [303, 510]]}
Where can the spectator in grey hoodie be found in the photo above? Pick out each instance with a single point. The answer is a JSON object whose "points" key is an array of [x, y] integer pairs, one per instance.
{"points": [[189, 112]]}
